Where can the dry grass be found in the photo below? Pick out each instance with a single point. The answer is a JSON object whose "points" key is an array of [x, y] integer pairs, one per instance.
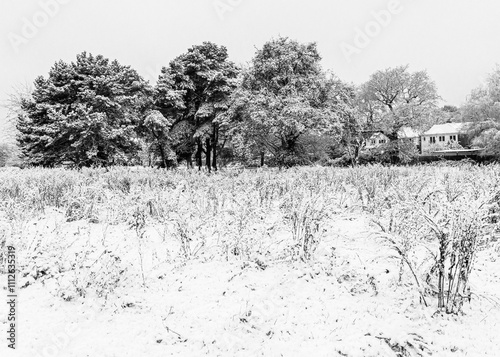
{"points": [[435, 217]]}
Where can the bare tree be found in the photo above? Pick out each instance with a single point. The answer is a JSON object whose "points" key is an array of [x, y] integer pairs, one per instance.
{"points": [[13, 105], [394, 98]]}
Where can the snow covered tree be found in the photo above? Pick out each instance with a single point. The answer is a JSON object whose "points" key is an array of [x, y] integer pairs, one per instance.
{"points": [[483, 109], [353, 124], [86, 113], [284, 96], [395, 98], [193, 92], [155, 130], [14, 107], [483, 103]]}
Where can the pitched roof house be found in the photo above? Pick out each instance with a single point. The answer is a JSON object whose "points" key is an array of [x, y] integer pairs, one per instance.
{"points": [[378, 138], [441, 136]]}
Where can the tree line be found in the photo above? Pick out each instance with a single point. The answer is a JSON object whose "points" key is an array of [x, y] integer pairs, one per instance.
{"points": [[281, 109]]}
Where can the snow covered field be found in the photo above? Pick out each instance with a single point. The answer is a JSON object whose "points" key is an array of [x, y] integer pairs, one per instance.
{"points": [[265, 263]]}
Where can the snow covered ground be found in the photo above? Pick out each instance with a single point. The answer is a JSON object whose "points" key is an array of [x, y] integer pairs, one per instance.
{"points": [[346, 301]]}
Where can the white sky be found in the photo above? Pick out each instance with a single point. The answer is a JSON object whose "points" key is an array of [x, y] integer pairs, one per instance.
{"points": [[455, 41]]}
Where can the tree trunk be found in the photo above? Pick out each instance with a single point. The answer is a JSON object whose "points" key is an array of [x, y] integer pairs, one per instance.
{"points": [[163, 158], [351, 154], [208, 154], [261, 158], [215, 139], [199, 151], [189, 161], [214, 160], [150, 156], [290, 153], [356, 155], [394, 146]]}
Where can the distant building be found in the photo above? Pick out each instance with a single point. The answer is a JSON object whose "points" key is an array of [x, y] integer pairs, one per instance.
{"points": [[444, 136], [442, 140], [376, 139]]}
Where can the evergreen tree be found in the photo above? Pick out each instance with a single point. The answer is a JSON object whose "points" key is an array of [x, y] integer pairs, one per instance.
{"points": [[193, 92], [86, 112]]}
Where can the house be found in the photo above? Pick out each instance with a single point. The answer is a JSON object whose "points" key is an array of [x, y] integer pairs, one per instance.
{"points": [[444, 136], [376, 139], [442, 140]]}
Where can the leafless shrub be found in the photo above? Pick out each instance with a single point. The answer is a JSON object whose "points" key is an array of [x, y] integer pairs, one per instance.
{"points": [[458, 231], [305, 215]]}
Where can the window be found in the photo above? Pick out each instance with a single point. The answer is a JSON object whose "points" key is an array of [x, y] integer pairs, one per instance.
{"points": [[441, 138], [432, 139], [381, 141], [424, 138], [453, 137]]}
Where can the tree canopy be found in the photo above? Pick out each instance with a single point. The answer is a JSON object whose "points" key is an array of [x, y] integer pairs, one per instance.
{"points": [[192, 92], [281, 108], [395, 97], [86, 112], [285, 95], [483, 110]]}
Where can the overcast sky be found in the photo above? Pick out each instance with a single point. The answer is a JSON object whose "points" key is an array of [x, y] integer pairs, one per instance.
{"points": [[456, 41]]}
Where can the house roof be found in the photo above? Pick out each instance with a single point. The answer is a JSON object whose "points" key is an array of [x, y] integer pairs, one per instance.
{"points": [[368, 134], [378, 134], [448, 128]]}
